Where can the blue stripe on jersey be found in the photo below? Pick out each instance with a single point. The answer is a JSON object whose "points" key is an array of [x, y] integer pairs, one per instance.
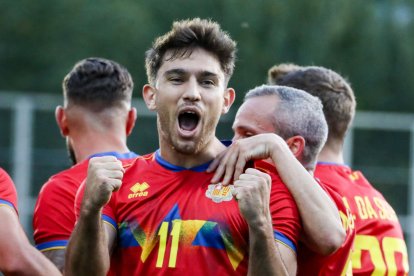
{"points": [[110, 221], [283, 239], [52, 245], [174, 168], [127, 155], [8, 203]]}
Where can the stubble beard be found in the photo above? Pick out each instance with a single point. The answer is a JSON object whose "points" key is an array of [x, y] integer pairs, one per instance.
{"points": [[71, 153]]}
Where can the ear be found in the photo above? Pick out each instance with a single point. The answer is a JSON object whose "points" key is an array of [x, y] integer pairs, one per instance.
{"points": [[229, 97], [297, 146], [149, 94], [61, 121], [132, 117]]}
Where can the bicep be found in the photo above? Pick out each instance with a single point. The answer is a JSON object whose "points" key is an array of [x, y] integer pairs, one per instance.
{"points": [[12, 236]]}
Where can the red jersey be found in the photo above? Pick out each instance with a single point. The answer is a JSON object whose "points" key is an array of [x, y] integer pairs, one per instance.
{"points": [[8, 194], [173, 221], [54, 216], [379, 247], [311, 263]]}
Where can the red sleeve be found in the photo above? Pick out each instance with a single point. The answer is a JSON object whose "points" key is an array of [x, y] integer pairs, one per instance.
{"points": [[54, 218], [285, 215], [8, 194]]}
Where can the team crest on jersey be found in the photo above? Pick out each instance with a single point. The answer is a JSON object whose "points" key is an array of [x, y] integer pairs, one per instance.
{"points": [[139, 190], [219, 193]]}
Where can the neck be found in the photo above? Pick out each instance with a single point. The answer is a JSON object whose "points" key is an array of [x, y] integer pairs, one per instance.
{"points": [[190, 160], [331, 154], [86, 144]]}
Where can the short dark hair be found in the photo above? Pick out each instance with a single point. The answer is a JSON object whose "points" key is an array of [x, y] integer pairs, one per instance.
{"points": [[184, 37], [97, 83], [334, 91]]}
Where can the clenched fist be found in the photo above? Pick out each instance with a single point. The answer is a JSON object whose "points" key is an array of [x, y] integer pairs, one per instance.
{"points": [[252, 191], [104, 177]]}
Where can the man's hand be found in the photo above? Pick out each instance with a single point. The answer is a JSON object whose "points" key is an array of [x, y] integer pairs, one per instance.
{"points": [[104, 177], [231, 163], [252, 191]]}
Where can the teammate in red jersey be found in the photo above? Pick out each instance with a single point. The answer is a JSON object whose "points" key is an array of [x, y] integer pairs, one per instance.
{"points": [[169, 218], [96, 119], [17, 255], [274, 122], [379, 244]]}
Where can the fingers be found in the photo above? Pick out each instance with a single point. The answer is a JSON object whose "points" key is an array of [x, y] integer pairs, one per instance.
{"points": [[104, 177], [253, 177], [213, 166], [230, 165]]}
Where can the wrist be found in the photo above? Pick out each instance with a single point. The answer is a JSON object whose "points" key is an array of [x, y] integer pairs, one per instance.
{"points": [[262, 230], [89, 209]]}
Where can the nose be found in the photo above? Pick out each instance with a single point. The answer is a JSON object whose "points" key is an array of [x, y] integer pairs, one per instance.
{"points": [[192, 91]]}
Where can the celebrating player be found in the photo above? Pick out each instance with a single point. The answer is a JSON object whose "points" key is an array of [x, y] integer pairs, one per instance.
{"points": [[284, 120], [96, 119], [17, 255], [167, 217], [379, 243]]}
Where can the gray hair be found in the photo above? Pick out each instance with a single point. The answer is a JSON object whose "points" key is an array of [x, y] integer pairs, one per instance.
{"points": [[297, 113]]}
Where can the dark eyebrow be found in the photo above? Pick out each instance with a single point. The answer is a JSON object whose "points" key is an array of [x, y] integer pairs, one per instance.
{"points": [[208, 74], [175, 71]]}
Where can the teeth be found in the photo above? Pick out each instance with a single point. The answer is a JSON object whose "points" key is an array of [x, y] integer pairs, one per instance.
{"points": [[189, 112]]}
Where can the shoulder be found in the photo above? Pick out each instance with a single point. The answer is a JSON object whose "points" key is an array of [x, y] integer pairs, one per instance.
{"points": [[67, 180]]}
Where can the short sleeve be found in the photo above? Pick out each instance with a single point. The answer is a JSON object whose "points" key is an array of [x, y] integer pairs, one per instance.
{"points": [[54, 218], [8, 194], [285, 215]]}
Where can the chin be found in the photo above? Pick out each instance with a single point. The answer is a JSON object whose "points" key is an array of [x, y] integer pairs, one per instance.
{"points": [[187, 147]]}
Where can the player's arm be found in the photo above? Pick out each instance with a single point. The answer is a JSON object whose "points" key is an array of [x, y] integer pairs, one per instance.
{"points": [[320, 217], [88, 250], [266, 257], [56, 256], [17, 255]]}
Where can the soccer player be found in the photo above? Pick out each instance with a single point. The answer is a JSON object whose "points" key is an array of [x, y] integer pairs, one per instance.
{"points": [[379, 243], [167, 217], [17, 255], [96, 119], [274, 122]]}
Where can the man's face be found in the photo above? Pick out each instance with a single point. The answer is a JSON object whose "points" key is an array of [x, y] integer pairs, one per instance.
{"points": [[255, 116], [190, 96]]}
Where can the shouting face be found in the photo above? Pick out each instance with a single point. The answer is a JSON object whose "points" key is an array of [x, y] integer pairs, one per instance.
{"points": [[189, 96]]}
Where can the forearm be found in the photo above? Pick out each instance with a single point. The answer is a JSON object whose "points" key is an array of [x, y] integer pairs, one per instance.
{"points": [[320, 216], [265, 257], [27, 261], [17, 255], [87, 251]]}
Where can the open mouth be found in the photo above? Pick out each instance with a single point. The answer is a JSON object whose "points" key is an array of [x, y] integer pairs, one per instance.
{"points": [[188, 120]]}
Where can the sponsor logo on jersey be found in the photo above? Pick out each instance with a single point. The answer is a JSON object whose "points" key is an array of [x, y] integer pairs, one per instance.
{"points": [[219, 193], [139, 190]]}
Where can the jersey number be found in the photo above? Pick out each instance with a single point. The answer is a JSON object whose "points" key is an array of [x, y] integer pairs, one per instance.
{"points": [[163, 233], [381, 264]]}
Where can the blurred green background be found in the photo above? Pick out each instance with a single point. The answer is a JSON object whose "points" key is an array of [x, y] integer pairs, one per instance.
{"points": [[369, 42]]}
